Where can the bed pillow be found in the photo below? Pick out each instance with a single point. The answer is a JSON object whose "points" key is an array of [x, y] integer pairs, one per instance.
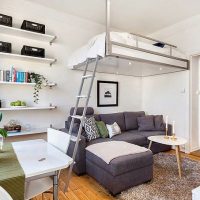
{"points": [[159, 123], [146, 123], [91, 130], [103, 131], [113, 129]]}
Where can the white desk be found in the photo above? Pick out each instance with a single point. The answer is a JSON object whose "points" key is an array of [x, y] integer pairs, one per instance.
{"points": [[40, 159]]}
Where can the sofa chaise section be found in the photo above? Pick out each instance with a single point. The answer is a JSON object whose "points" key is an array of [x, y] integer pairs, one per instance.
{"points": [[130, 133]]}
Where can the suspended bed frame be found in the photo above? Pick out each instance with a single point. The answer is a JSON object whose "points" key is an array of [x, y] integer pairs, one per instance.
{"points": [[128, 54]]}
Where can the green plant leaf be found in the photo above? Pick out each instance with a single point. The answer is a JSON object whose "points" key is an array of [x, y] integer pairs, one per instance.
{"points": [[3, 132]]}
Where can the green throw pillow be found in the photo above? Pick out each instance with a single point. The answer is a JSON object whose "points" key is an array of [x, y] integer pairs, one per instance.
{"points": [[103, 131]]}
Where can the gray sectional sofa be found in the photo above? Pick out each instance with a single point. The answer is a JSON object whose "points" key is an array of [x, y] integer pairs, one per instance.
{"points": [[130, 133]]}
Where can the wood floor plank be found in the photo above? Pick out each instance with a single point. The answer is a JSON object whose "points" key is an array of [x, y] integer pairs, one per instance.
{"points": [[195, 153], [86, 188], [80, 194]]}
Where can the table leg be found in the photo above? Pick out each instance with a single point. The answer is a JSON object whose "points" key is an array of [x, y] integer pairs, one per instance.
{"points": [[55, 186], [150, 143], [178, 157]]}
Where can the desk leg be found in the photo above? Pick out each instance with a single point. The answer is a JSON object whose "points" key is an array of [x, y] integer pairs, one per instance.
{"points": [[55, 186], [178, 157], [150, 143]]}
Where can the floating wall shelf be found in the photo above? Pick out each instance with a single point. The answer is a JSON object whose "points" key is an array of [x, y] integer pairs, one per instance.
{"points": [[29, 84], [28, 108], [26, 34], [49, 61], [28, 132], [15, 83]]}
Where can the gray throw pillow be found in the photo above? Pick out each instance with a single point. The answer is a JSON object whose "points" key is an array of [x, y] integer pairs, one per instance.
{"points": [[146, 123], [159, 123], [91, 130]]}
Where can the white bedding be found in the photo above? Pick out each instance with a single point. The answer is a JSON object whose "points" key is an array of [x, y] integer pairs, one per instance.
{"points": [[96, 46]]}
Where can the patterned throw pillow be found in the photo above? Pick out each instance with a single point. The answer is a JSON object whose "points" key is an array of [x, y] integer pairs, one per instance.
{"points": [[113, 129], [91, 130]]}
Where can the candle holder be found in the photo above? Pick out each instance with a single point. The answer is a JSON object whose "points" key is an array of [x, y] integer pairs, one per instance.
{"points": [[166, 135], [173, 137]]}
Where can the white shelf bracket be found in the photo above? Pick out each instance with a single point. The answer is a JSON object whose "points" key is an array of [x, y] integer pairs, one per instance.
{"points": [[55, 60], [51, 42]]}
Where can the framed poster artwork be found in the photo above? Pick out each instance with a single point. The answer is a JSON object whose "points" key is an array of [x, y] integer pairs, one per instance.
{"points": [[107, 93]]}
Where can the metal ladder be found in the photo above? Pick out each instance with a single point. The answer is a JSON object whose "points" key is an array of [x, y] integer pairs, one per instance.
{"points": [[80, 117]]}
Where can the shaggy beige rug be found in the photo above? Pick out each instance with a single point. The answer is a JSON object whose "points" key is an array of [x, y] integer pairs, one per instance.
{"points": [[166, 184]]}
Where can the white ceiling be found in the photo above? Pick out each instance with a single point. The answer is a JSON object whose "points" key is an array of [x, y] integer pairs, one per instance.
{"points": [[139, 16]]}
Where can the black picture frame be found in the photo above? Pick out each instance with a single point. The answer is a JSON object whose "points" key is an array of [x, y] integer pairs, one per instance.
{"points": [[107, 94]]}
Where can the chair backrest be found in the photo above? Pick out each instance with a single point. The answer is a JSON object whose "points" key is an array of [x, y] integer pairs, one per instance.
{"points": [[58, 139], [4, 195]]}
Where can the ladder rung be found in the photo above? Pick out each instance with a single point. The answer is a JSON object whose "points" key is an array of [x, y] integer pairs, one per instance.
{"points": [[74, 138], [82, 96], [77, 116], [87, 76]]}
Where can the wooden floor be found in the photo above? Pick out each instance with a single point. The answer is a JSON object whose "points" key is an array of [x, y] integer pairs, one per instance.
{"points": [[196, 153], [86, 188]]}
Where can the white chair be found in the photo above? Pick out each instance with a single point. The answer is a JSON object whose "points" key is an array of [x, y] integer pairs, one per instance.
{"points": [[4, 195], [61, 141]]}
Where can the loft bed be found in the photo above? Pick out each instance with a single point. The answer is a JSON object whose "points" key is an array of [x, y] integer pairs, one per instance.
{"points": [[128, 54]]}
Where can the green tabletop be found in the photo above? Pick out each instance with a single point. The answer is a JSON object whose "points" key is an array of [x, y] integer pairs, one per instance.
{"points": [[12, 177]]}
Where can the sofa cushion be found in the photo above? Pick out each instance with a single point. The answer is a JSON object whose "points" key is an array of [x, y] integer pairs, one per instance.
{"points": [[122, 164], [131, 119], [131, 137], [151, 133], [89, 113], [159, 123], [146, 123], [114, 117], [97, 117]]}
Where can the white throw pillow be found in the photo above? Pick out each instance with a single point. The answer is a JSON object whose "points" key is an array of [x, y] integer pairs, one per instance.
{"points": [[113, 129]]}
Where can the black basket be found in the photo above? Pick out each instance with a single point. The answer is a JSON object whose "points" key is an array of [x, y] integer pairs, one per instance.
{"points": [[32, 26], [33, 51], [5, 20], [5, 47]]}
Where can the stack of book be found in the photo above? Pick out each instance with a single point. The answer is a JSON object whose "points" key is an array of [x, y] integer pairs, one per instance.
{"points": [[14, 76]]}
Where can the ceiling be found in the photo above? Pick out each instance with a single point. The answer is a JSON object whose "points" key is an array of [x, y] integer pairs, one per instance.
{"points": [[139, 16]]}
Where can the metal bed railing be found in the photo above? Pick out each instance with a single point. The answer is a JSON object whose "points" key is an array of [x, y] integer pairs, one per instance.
{"points": [[137, 36]]}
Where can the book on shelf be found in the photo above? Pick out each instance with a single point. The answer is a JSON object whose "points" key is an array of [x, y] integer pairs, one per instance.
{"points": [[14, 76]]}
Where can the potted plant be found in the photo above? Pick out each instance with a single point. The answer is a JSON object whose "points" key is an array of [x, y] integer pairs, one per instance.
{"points": [[3, 134], [39, 81]]}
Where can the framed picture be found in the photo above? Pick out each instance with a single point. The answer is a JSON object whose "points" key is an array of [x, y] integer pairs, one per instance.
{"points": [[107, 93]]}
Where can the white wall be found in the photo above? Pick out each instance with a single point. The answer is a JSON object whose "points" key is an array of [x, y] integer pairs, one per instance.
{"points": [[72, 32], [165, 94], [168, 95]]}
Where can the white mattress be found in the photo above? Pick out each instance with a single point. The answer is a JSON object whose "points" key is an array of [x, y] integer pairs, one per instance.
{"points": [[96, 46]]}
